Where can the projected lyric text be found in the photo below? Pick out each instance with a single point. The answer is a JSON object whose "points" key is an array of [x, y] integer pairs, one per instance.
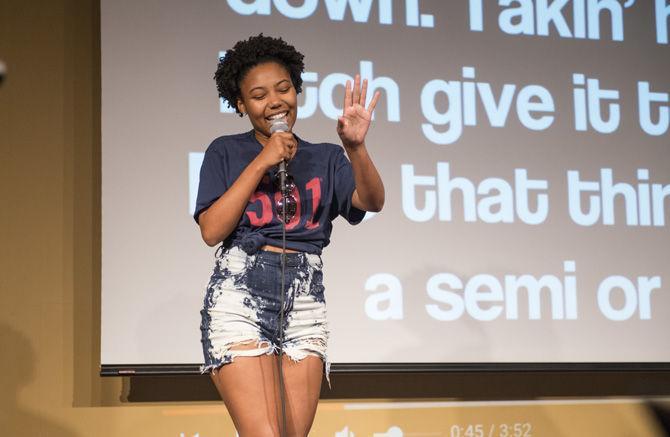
{"points": [[463, 98]]}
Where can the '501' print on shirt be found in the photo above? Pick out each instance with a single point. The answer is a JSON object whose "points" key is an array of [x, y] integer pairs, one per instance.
{"points": [[264, 210]]}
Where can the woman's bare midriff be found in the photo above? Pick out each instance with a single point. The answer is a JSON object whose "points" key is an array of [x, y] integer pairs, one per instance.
{"points": [[277, 249]]}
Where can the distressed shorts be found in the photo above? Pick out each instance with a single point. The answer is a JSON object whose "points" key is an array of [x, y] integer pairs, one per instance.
{"points": [[242, 304]]}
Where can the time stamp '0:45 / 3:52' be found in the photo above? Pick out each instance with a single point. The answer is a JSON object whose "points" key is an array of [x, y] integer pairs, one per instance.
{"points": [[521, 429]]}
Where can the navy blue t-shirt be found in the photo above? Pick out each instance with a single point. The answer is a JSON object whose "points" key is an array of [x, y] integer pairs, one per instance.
{"points": [[324, 184]]}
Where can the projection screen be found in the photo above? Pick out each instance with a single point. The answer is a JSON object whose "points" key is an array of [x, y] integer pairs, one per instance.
{"points": [[523, 145]]}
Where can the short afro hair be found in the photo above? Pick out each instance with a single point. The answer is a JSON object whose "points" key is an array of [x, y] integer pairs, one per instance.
{"points": [[245, 55]]}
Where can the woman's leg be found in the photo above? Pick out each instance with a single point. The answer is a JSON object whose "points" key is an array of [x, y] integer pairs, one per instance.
{"points": [[250, 389], [302, 385]]}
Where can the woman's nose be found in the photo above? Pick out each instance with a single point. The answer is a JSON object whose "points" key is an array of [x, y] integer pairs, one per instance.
{"points": [[275, 100]]}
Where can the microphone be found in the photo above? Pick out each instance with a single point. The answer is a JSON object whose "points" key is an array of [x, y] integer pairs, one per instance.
{"points": [[280, 125]]}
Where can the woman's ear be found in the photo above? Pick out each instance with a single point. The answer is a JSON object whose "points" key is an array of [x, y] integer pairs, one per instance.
{"points": [[241, 107]]}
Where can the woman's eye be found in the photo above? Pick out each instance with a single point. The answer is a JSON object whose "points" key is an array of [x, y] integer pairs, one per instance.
{"points": [[258, 97], [284, 90]]}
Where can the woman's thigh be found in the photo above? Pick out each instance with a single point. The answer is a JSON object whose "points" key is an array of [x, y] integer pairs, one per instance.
{"points": [[302, 386], [249, 390]]}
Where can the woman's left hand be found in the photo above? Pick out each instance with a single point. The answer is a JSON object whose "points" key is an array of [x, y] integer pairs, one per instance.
{"points": [[353, 125]]}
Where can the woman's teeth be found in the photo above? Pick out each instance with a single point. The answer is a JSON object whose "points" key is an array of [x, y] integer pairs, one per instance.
{"points": [[276, 116]]}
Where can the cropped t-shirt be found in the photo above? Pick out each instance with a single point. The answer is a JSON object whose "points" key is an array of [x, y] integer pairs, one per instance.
{"points": [[324, 184]]}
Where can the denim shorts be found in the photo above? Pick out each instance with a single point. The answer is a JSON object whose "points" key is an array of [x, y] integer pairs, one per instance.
{"points": [[242, 306]]}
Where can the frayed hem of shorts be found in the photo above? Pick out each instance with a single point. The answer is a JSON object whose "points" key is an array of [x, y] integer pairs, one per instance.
{"points": [[220, 362], [215, 365], [229, 357]]}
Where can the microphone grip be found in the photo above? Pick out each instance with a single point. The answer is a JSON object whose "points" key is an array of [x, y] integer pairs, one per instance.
{"points": [[282, 175], [280, 125]]}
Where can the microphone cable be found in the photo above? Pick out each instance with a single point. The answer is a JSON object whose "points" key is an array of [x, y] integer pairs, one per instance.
{"points": [[282, 400]]}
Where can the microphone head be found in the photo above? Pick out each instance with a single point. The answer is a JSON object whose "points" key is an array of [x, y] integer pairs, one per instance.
{"points": [[278, 125]]}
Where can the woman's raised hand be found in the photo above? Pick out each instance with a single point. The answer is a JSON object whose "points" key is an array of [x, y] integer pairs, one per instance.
{"points": [[353, 125]]}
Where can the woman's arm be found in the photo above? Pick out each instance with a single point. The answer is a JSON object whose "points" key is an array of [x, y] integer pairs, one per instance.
{"points": [[369, 192], [352, 128], [220, 219]]}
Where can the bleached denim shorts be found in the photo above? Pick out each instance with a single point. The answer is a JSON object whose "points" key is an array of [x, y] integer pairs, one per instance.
{"points": [[242, 303]]}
